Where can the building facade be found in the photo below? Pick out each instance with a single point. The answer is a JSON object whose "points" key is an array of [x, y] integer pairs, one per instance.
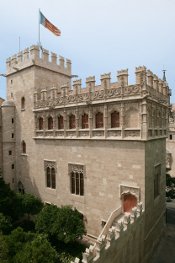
{"points": [[100, 148]]}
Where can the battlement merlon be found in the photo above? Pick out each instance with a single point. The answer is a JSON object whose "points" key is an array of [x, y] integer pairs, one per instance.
{"points": [[33, 56], [122, 76], [147, 84]]}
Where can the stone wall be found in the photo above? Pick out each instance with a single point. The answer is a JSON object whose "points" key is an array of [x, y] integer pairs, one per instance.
{"points": [[123, 243]]}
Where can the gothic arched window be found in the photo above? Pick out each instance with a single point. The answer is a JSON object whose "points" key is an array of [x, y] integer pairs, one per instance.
{"points": [[115, 119], [77, 181], [85, 122], [23, 146], [50, 123], [50, 178], [40, 123], [99, 120], [60, 122], [72, 121], [22, 103]]}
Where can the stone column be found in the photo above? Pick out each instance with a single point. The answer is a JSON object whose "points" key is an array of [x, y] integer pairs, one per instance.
{"points": [[122, 120], [77, 121], [144, 125], [90, 121], [105, 121], [65, 122]]}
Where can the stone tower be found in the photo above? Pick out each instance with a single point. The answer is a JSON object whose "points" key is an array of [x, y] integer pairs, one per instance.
{"points": [[28, 72]]}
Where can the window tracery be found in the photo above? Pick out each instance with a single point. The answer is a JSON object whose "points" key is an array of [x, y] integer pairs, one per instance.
{"points": [[50, 172], [77, 175]]}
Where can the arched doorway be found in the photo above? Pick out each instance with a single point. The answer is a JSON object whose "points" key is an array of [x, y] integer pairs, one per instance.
{"points": [[128, 201]]}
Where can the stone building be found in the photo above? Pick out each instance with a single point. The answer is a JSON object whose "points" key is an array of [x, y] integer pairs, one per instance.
{"points": [[170, 144], [100, 148]]}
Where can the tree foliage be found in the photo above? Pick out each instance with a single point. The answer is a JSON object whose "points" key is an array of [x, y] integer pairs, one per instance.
{"points": [[3, 250], [64, 224], [69, 225], [60, 227], [8, 201], [30, 204], [45, 221], [39, 250], [5, 224]]}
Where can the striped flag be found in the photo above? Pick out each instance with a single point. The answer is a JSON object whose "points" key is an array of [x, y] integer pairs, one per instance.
{"points": [[46, 23]]}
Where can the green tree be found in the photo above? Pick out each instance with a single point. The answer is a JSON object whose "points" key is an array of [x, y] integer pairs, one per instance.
{"points": [[30, 204], [5, 224], [37, 251], [7, 201], [45, 220], [64, 224], [17, 240], [69, 225], [3, 250]]}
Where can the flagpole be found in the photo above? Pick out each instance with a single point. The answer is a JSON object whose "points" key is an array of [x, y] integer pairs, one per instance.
{"points": [[39, 43]]}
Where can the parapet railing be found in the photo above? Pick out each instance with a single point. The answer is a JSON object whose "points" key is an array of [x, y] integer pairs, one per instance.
{"points": [[103, 243], [110, 221]]}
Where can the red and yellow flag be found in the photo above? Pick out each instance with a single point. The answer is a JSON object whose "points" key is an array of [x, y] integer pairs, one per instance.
{"points": [[46, 23]]}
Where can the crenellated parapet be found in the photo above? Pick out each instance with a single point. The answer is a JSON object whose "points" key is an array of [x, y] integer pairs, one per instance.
{"points": [[36, 56], [147, 84], [140, 73], [122, 76], [112, 243]]}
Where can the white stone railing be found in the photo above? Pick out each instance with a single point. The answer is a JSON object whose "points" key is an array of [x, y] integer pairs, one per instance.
{"points": [[96, 252], [110, 221]]}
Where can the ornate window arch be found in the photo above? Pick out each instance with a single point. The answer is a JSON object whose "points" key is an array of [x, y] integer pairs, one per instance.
{"points": [[50, 123], [60, 122], [85, 121], [72, 124], [40, 123], [115, 119], [99, 120], [129, 201], [77, 175], [50, 173]]}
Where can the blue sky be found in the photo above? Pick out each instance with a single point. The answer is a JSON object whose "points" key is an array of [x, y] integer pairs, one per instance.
{"points": [[98, 36]]}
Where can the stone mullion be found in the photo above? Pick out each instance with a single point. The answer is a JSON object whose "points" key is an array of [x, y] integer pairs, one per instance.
{"points": [[77, 121], [90, 122], [144, 125], [122, 115], [54, 123], [44, 123], [65, 122], [105, 121]]}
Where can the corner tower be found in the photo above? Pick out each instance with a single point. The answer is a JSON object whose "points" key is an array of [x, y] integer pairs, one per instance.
{"points": [[28, 72]]}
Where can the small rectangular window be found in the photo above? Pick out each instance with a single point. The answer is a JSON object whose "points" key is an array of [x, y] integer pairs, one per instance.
{"points": [[157, 175], [12, 135], [13, 166], [10, 152], [12, 120]]}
